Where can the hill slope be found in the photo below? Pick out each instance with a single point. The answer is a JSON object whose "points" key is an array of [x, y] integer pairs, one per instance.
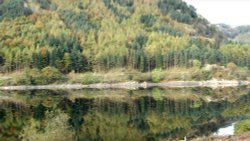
{"points": [[95, 35], [240, 34]]}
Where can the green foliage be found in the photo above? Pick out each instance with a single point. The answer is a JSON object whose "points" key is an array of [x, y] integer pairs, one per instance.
{"points": [[242, 126], [13, 9], [202, 75], [125, 2], [89, 78], [148, 20], [99, 114], [167, 29], [111, 7], [50, 75], [47, 75], [237, 54], [78, 22], [178, 10], [129, 4], [44, 4], [56, 125], [185, 18], [137, 53], [196, 63], [206, 75], [99, 36], [238, 34], [157, 75], [68, 52]]}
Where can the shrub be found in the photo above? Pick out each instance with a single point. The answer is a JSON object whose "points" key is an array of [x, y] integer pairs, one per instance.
{"points": [[232, 66], [202, 75], [51, 75], [90, 78], [157, 75], [206, 75], [47, 75], [196, 63], [141, 77]]}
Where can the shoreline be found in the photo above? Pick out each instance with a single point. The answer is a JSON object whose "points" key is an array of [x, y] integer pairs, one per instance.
{"points": [[132, 85]]}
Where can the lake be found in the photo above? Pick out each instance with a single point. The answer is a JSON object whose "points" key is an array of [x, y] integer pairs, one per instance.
{"points": [[120, 115]]}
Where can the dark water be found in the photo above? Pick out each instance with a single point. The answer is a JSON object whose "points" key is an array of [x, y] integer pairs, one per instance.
{"points": [[119, 115]]}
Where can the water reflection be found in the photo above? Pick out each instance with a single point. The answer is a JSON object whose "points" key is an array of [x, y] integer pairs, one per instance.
{"points": [[226, 131], [154, 114]]}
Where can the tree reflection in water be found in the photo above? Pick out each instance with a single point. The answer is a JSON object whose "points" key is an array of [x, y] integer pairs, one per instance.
{"points": [[153, 114]]}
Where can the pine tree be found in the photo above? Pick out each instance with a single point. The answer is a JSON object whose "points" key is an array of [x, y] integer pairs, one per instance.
{"points": [[47, 58], [39, 61], [67, 62], [158, 60], [142, 63]]}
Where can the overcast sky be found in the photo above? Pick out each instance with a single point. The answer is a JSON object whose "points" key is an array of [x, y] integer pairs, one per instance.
{"points": [[231, 12]]}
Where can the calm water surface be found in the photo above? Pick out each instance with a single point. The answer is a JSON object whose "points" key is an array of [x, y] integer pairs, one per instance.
{"points": [[120, 115]]}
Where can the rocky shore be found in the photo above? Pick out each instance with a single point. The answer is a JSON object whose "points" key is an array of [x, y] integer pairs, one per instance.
{"points": [[133, 85]]}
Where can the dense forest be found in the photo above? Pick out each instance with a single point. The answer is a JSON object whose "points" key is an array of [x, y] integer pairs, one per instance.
{"points": [[99, 35]]}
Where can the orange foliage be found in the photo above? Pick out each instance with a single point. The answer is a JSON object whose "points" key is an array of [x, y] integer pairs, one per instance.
{"points": [[7, 42], [43, 51]]}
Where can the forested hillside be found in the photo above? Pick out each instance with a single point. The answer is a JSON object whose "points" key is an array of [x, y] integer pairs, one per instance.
{"points": [[239, 34], [99, 35], [94, 35]]}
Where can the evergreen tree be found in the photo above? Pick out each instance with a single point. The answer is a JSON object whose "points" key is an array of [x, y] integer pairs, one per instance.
{"points": [[67, 62], [142, 63]]}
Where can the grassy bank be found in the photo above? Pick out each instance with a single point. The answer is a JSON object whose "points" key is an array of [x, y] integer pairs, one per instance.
{"points": [[50, 75], [242, 127]]}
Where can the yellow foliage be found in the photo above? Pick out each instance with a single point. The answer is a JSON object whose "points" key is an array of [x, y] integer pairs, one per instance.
{"points": [[164, 43], [39, 25]]}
